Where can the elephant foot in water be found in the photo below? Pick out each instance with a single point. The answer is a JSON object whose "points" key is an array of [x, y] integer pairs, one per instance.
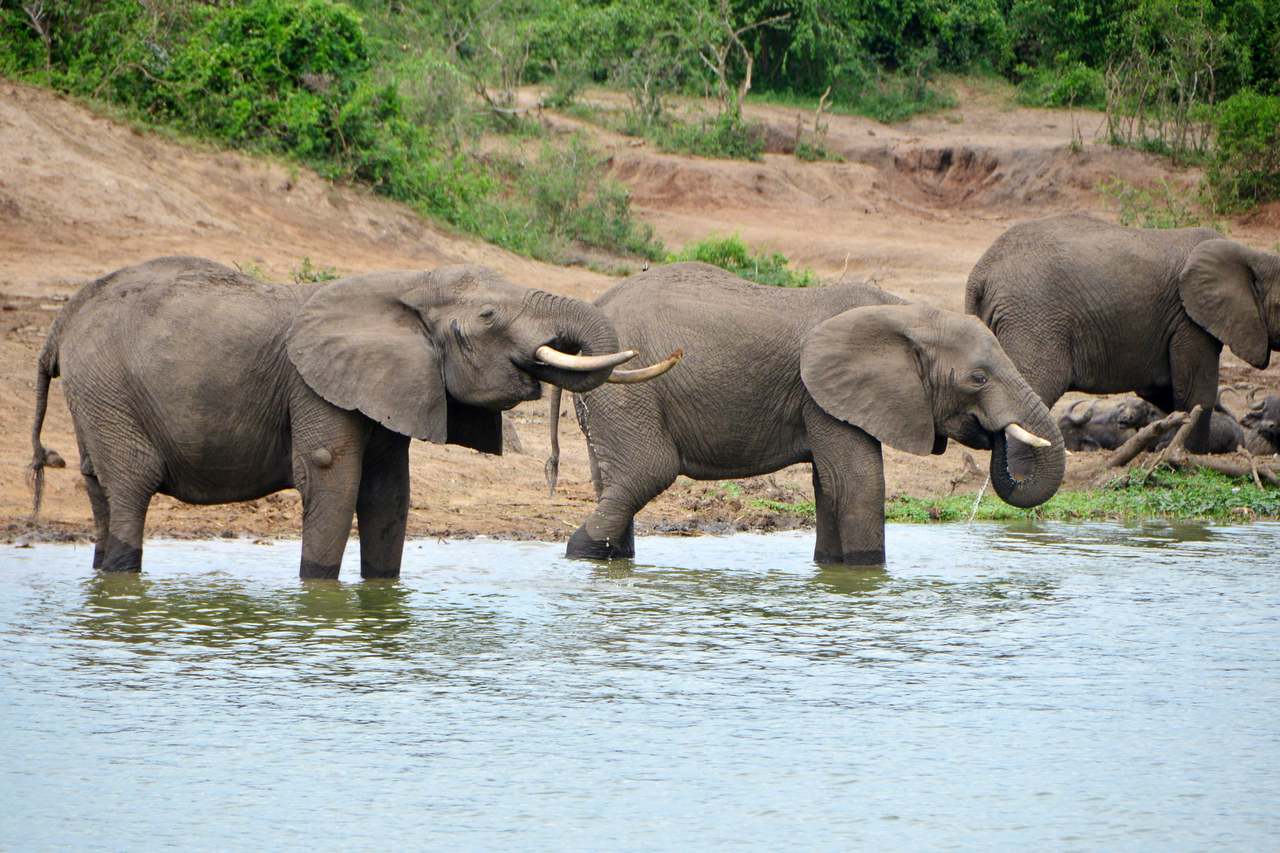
{"points": [[582, 546]]}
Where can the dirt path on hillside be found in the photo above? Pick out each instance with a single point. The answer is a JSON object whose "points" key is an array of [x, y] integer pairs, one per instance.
{"points": [[913, 207]]}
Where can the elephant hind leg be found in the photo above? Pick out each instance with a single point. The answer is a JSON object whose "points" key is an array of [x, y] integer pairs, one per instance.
{"points": [[101, 517], [127, 500]]}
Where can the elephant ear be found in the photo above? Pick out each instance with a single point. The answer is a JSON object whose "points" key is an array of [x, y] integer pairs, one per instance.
{"points": [[863, 367], [358, 345], [1218, 293]]}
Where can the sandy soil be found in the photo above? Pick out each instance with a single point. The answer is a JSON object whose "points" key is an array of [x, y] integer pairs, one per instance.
{"points": [[913, 207]]}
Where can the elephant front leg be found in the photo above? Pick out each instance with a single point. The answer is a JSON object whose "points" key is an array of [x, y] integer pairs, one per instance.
{"points": [[382, 507], [329, 480], [848, 492], [624, 486]]}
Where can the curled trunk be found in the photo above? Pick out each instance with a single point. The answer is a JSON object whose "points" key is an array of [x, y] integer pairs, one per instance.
{"points": [[1039, 469], [574, 327]]}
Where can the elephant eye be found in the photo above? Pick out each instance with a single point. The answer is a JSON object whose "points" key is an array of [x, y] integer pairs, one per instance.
{"points": [[488, 312], [978, 378]]}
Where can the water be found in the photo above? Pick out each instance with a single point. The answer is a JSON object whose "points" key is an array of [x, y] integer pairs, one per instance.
{"points": [[1065, 686]]}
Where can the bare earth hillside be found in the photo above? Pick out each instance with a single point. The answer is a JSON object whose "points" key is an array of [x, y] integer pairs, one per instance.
{"points": [[913, 207]]}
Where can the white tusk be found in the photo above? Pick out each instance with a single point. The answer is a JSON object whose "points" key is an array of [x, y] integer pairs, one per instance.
{"points": [[1025, 436], [583, 363], [644, 374]]}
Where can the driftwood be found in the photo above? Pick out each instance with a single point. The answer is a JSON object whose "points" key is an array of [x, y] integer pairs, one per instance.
{"points": [[1148, 436]]}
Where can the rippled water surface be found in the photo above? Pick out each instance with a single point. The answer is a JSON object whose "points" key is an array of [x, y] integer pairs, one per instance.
{"points": [[1066, 686]]}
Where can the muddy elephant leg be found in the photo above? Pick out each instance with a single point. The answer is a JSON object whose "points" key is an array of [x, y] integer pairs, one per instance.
{"points": [[826, 548], [850, 472], [382, 506], [632, 462], [1193, 363]]}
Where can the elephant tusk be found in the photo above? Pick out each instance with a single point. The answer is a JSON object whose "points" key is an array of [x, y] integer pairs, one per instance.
{"points": [[1020, 433], [644, 374], [582, 363]]}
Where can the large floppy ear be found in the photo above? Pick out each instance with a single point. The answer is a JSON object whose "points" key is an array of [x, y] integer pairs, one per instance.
{"points": [[475, 427], [360, 344], [1218, 293], [864, 367]]}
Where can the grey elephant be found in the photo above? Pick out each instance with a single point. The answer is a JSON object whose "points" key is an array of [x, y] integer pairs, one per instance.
{"points": [[1103, 424], [1080, 304], [775, 377], [190, 379], [1261, 419]]}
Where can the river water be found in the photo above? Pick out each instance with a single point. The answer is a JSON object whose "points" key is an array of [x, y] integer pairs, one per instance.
{"points": [[995, 687]]}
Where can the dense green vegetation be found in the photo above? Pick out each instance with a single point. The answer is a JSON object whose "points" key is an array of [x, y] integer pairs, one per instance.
{"points": [[397, 94], [1158, 494]]}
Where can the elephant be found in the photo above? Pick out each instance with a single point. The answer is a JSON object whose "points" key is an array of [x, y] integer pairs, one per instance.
{"points": [[778, 376], [191, 379], [1080, 304], [1103, 424]]}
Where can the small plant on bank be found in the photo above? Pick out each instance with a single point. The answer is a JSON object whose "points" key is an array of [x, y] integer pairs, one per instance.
{"points": [[731, 254], [308, 273]]}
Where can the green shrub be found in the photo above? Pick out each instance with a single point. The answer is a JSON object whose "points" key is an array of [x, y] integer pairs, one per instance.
{"points": [[1064, 84], [726, 136], [732, 254], [1245, 167], [1159, 206]]}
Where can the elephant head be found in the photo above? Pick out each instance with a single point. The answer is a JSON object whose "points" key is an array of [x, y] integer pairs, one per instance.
{"points": [[1233, 293], [438, 355], [913, 376]]}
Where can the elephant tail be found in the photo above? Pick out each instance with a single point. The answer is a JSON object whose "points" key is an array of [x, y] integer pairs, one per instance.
{"points": [[552, 467], [41, 456]]}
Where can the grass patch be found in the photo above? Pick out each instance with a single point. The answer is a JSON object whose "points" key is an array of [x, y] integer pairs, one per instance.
{"points": [[1201, 495], [731, 254]]}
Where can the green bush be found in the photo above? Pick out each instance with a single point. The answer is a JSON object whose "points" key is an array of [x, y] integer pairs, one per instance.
{"points": [[726, 136], [1245, 168], [1160, 206], [1064, 84], [731, 254]]}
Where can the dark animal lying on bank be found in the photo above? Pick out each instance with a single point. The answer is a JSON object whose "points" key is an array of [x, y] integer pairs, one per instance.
{"points": [[1106, 424], [1261, 420]]}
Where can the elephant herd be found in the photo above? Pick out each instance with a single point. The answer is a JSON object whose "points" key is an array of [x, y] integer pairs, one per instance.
{"points": [[187, 378]]}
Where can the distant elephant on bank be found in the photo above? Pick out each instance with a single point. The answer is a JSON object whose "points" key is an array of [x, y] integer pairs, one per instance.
{"points": [[777, 376], [1083, 305], [1107, 424], [188, 378]]}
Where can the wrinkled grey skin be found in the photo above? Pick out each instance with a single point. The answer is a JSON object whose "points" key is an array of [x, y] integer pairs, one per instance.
{"points": [[187, 378], [773, 377], [1083, 305]]}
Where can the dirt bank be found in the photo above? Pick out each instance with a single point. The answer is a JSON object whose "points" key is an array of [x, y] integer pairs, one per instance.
{"points": [[913, 207]]}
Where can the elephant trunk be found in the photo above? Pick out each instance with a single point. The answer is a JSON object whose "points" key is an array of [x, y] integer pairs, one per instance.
{"points": [[574, 327], [1044, 467]]}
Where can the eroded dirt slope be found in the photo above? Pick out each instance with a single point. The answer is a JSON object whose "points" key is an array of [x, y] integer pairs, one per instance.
{"points": [[913, 207]]}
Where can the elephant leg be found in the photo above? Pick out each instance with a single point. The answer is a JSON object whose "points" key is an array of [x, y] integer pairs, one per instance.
{"points": [[850, 472], [826, 549], [100, 506], [382, 506], [327, 473], [1193, 365]]}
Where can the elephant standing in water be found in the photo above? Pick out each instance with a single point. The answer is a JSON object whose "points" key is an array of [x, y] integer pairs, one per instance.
{"points": [[187, 378], [776, 376], [1083, 305]]}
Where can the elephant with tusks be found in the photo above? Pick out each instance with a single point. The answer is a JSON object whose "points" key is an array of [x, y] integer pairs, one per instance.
{"points": [[188, 378]]}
